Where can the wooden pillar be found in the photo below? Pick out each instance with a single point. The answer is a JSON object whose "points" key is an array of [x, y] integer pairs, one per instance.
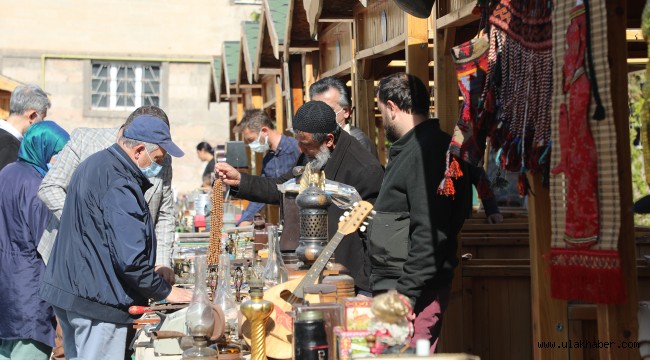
{"points": [[550, 323], [618, 323], [445, 91], [279, 106], [296, 85], [311, 70], [417, 48], [257, 101]]}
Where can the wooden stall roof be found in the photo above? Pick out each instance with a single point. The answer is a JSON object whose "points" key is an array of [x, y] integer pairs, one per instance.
{"points": [[276, 13], [266, 62], [217, 78], [327, 11], [297, 36], [231, 51], [250, 36], [8, 84]]}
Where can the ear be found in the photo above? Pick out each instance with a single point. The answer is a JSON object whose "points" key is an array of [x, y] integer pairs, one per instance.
{"points": [[138, 150], [391, 106], [347, 112], [32, 115], [329, 140]]}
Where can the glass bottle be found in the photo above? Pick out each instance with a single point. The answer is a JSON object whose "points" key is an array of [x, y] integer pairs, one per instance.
{"points": [[223, 296], [275, 272], [199, 317]]}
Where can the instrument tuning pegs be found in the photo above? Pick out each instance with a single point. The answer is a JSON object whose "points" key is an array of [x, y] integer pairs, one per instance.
{"points": [[363, 228], [341, 218], [347, 213], [369, 217], [365, 223], [355, 204], [373, 212]]}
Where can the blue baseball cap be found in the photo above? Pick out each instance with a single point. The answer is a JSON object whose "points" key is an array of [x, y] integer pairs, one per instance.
{"points": [[153, 130]]}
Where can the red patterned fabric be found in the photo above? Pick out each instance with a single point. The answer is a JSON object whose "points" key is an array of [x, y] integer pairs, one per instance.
{"points": [[578, 161], [578, 270]]}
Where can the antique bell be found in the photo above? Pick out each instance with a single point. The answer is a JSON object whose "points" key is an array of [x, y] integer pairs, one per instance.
{"points": [[313, 203]]}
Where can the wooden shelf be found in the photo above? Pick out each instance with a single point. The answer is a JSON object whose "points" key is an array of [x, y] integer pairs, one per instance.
{"points": [[457, 18]]}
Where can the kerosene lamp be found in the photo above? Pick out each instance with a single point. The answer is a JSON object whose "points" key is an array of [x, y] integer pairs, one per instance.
{"points": [[199, 318]]}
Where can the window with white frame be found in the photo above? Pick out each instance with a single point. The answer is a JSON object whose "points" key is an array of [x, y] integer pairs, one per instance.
{"points": [[124, 86]]}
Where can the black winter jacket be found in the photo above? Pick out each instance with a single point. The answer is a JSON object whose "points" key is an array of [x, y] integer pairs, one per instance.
{"points": [[103, 258], [413, 234], [349, 164]]}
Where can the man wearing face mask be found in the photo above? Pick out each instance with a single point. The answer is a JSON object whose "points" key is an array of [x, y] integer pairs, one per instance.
{"points": [[345, 161], [259, 133], [335, 93], [103, 259]]}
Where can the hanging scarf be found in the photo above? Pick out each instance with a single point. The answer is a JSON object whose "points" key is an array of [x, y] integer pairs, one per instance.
{"points": [[468, 140], [42, 141], [585, 207], [520, 67], [513, 107]]}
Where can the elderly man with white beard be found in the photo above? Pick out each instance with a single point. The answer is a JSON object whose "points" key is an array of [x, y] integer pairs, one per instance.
{"points": [[317, 133]]}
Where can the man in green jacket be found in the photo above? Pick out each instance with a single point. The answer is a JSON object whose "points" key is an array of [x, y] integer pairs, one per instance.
{"points": [[413, 234]]}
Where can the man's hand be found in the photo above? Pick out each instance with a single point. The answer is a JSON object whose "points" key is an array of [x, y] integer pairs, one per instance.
{"points": [[166, 273], [496, 218], [228, 173], [245, 223], [179, 295]]}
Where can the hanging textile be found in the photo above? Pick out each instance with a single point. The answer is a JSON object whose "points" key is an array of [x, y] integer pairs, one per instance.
{"points": [[513, 108], [520, 84], [578, 160], [585, 207], [468, 139]]}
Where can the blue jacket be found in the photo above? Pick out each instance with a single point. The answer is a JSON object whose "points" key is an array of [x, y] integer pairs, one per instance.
{"points": [[23, 217], [104, 255]]}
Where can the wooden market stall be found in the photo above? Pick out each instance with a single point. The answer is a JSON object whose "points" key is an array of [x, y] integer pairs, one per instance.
{"points": [[228, 82], [7, 85], [364, 41]]}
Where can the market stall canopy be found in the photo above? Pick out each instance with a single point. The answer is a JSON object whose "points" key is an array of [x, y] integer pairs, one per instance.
{"points": [[327, 11], [217, 78], [276, 13], [231, 51], [8, 84], [250, 46], [298, 38], [266, 62]]}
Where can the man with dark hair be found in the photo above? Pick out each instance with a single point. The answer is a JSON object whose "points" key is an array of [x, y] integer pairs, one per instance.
{"points": [[259, 133], [334, 93], [103, 259], [413, 235], [28, 105], [318, 135]]}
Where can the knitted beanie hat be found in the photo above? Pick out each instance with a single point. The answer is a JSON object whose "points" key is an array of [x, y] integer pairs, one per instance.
{"points": [[315, 117]]}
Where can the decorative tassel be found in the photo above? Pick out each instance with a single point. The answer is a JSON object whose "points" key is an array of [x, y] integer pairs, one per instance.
{"points": [[454, 170], [523, 185], [447, 187]]}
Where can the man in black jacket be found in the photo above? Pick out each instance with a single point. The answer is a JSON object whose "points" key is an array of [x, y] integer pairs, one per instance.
{"points": [[317, 132], [104, 254], [412, 238]]}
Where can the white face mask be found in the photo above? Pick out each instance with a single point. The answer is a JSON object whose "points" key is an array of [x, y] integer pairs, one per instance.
{"points": [[342, 123], [258, 147]]}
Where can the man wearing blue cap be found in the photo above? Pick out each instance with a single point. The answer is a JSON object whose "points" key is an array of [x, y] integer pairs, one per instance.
{"points": [[104, 256]]}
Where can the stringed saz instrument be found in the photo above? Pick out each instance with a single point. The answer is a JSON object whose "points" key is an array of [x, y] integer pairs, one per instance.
{"points": [[284, 296]]}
